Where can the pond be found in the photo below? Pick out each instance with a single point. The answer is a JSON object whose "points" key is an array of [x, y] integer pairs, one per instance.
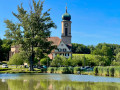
{"points": [[57, 82]]}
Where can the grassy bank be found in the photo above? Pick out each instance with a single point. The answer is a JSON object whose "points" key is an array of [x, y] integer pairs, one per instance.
{"points": [[19, 70], [113, 71], [60, 70]]}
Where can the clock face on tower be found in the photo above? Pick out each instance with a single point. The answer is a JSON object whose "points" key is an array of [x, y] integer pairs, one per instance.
{"points": [[66, 24]]}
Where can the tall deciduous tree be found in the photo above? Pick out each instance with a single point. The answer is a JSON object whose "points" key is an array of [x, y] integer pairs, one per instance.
{"points": [[4, 49], [0, 49], [32, 31]]}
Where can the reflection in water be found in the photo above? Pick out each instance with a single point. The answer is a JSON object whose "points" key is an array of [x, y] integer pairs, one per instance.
{"points": [[44, 82], [3, 80]]}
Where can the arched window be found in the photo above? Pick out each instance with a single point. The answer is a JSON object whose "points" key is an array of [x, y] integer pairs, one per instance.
{"points": [[65, 50], [66, 31]]}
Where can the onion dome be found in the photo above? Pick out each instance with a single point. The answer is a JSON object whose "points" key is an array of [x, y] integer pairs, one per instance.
{"points": [[66, 16]]}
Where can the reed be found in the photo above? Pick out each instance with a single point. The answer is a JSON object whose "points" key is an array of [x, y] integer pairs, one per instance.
{"points": [[107, 71]]}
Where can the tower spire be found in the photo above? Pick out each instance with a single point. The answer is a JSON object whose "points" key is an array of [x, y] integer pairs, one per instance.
{"points": [[66, 7]]}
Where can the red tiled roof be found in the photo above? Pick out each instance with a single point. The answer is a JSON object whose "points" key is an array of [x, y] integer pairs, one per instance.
{"points": [[55, 40]]}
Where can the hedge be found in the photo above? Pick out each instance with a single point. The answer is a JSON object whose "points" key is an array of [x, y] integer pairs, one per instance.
{"points": [[107, 71]]}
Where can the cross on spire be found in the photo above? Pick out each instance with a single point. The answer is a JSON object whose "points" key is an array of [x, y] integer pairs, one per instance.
{"points": [[66, 7]]}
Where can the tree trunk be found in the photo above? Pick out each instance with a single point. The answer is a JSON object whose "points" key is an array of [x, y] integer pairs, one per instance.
{"points": [[31, 60]]}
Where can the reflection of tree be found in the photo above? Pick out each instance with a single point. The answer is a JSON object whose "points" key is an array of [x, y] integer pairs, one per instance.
{"points": [[33, 84], [3, 85]]}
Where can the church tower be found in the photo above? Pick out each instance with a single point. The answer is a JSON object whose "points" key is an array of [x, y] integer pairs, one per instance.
{"points": [[66, 28]]}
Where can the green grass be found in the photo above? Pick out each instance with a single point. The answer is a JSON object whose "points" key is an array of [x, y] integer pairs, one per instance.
{"points": [[86, 55], [19, 69]]}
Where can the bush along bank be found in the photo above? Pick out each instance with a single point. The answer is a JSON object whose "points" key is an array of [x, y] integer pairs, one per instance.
{"points": [[62, 70], [66, 70], [113, 71]]}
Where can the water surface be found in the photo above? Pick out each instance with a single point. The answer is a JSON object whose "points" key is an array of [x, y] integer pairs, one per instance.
{"points": [[57, 82]]}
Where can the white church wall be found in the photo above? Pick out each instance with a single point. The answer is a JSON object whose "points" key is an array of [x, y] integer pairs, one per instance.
{"points": [[55, 54], [61, 47]]}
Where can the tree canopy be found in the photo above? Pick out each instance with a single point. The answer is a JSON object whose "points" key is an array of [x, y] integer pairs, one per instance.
{"points": [[32, 30], [4, 49]]}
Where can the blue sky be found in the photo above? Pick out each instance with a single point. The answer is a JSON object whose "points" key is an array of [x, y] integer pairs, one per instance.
{"points": [[93, 21]]}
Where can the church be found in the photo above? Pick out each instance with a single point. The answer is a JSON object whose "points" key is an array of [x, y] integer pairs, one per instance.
{"points": [[64, 46]]}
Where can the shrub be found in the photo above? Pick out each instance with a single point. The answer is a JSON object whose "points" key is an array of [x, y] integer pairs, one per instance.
{"points": [[43, 70], [70, 70], [45, 61], [63, 70], [17, 59], [111, 71], [51, 69], [57, 61], [117, 71], [76, 69], [95, 70], [100, 70], [105, 71]]}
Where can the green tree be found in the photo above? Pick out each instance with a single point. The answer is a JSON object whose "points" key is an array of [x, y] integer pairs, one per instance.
{"points": [[80, 48], [106, 51], [118, 57], [77, 61], [1, 50], [57, 61], [18, 59], [32, 31], [67, 62], [4, 49], [45, 61]]}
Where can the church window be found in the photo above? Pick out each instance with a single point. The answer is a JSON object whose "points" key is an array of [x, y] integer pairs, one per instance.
{"points": [[65, 54], [59, 50], [65, 50], [68, 54], [66, 31], [61, 44]]}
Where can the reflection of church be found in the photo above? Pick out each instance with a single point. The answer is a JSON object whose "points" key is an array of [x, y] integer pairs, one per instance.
{"points": [[64, 46]]}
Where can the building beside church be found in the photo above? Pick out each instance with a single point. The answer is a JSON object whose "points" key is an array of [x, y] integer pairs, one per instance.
{"points": [[64, 46]]}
